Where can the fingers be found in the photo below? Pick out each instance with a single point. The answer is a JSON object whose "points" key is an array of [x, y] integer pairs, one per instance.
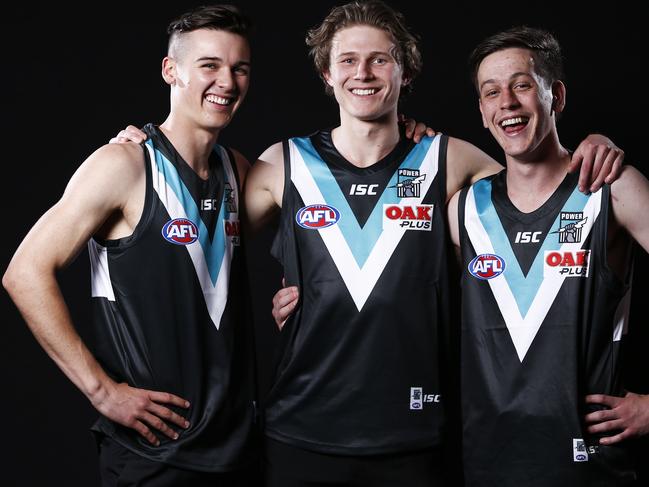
{"points": [[167, 398], [284, 302], [410, 125], [606, 400], [168, 415], [144, 431], [158, 424], [616, 167], [610, 440], [586, 171]]}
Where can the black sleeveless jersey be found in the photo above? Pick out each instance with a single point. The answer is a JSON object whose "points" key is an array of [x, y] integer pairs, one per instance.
{"points": [[170, 310], [542, 321], [359, 373]]}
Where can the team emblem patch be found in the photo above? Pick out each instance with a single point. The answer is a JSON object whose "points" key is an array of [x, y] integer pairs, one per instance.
{"points": [[316, 217], [486, 266], [408, 183], [570, 225], [566, 263], [233, 231], [228, 199], [180, 231]]}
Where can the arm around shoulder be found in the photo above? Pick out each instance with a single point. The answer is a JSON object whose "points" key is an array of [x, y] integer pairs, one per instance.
{"points": [[265, 186], [466, 164]]}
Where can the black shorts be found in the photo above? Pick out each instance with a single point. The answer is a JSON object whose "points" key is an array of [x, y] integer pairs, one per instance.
{"points": [[289, 466], [120, 467]]}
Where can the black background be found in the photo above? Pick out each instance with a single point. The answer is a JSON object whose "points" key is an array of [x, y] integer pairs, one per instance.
{"points": [[73, 76]]}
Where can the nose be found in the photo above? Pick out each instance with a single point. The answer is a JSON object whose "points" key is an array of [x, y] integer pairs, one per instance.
{"points": [[225, 78], [363, 71], [508, 100]]}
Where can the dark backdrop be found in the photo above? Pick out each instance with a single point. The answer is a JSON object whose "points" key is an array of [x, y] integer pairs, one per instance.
{"points": [[72, 77]]}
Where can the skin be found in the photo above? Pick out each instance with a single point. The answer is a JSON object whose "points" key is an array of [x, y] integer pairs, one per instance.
{"points": [[105, 198], [536, 165], [360, 58]]}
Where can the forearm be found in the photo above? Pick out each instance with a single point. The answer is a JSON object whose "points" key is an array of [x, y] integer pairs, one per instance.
{"points": [[38, 297]]}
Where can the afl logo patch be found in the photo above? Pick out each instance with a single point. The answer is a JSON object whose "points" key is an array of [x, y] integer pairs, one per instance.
{"points": [[486, 266], [180, 231], [317, 216]]}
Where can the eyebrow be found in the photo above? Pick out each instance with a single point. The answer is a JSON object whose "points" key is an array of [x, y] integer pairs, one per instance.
{"points": [[218, 59], [515, 75], [355, 53]]}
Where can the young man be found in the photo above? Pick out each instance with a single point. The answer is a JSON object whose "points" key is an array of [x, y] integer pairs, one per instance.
{"points": [[545, 289], [358, 394], [168, 277]]}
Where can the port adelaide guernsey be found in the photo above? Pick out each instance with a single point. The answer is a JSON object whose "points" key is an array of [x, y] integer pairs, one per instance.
{"points": [[359, 369], [170, 314], [543, 317]]}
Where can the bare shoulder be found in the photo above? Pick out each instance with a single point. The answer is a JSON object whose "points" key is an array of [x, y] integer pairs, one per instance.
{"points": [[628, 186], [109, 172], [274, 155]]}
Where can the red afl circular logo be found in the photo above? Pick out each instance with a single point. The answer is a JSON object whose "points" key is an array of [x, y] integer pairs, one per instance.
{"points": [[180, 231], [487, 266]]}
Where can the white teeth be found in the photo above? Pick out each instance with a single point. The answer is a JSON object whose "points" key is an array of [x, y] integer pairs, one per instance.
{"points": [[513, 121], [365, 92], [219, 100]]}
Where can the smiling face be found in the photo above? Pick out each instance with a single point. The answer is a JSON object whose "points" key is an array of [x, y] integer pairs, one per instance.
{"points": [[517, 104], [209, 72], [364, 74]]}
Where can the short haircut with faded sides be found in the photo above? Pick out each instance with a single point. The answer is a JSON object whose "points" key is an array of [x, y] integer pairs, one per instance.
{"points": [[217, 17]]}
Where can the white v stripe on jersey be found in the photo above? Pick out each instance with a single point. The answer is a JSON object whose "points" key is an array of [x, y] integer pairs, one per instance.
{"points": [[523, 329], [359, 279], [214, 292]]}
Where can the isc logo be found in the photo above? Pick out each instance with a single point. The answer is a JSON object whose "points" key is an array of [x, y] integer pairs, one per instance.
{"points": [[486, 266], [180, 231], [363, 189], [317, 216]]}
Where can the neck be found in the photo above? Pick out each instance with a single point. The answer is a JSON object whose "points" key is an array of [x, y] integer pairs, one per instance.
{"points": [[364, 143], [531, 182], [194, 144]]}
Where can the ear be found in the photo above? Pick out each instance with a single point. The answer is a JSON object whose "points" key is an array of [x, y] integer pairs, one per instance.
{"points": [[327, 77], [484, 120], [405, 81], [169, 70], [558, 96]]}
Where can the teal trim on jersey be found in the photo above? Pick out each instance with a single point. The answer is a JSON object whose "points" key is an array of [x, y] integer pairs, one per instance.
{"points": [[214, 250], [361, 241], [524, 288]]}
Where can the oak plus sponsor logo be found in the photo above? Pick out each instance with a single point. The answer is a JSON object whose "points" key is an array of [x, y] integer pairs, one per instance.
{"points": [[566, 263], [570, 225], [316, 217], [408, 217], [486, 266], [180, 231], [233, 231], [418, 398], [409, 183]]}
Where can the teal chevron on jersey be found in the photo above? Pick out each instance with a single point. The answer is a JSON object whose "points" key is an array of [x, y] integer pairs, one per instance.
{"points": [[214, 247], [361, 240], [524, 288]]}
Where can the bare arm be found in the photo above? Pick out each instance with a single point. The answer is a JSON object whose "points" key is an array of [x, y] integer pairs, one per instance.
{"points": [[264, 187], [465, 165], [628, 416], [105, 186]]}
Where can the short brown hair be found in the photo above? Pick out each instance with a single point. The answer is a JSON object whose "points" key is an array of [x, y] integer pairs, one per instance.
{"points": [[217, 17], [373, 13], [545, 49]]}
